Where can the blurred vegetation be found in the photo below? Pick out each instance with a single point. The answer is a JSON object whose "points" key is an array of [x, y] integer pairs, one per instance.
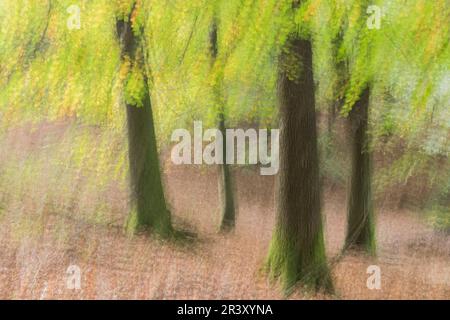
{"points": [[49, 74]]}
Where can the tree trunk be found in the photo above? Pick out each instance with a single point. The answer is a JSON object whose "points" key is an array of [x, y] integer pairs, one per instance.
{"points": [[227, 208], [360, 224], [148, 205], [297, 250], [226, 197]]}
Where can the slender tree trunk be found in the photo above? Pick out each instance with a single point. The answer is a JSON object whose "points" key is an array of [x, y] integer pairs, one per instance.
{"points": [[227, 206], [148, 205], [297, 250], [360, 224]]}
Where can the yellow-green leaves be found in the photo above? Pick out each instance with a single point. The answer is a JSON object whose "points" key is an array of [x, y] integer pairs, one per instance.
{"points": [[135, 87]]}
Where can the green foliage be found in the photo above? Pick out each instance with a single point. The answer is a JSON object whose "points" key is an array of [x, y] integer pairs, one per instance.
{"points": [[135, 88], [439, 217]]}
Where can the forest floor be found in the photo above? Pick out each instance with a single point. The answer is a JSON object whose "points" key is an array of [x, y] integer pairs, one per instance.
{"points": [[414, 259]]}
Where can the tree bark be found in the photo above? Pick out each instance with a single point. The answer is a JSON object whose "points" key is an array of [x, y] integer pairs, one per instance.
{"points": [[360, 223], [297, 250], [148, 205], [225, 183], [227, 206]]}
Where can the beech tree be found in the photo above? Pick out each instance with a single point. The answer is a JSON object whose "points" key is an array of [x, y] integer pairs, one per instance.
{"points": [[297, 249], [148, 205], [227, 205], [360, 212], [360, 223]]}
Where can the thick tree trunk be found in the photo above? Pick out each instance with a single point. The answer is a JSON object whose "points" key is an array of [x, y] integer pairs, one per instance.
{"points": [[148, 205], [360, 224], [226, 197], [297, 251], [148, 201]]}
